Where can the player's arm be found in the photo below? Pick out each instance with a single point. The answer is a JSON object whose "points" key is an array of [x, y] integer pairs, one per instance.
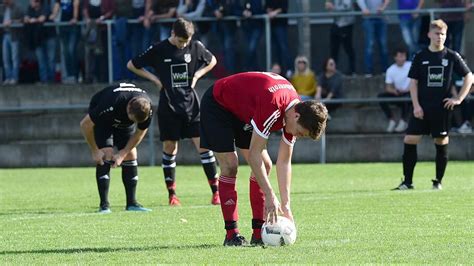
{"points": [[87, 130], [283, 169], [132, 143], [417, 110], [272, 205], [142, 72], [449, 103], [203, 71]]}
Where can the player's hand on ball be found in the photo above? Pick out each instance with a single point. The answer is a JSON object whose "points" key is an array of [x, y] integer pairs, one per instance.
{"points": [[418, 112], [449, 103], [272, 207], [98, 157]]}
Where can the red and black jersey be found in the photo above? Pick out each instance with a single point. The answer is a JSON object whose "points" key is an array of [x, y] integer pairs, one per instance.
{"points": [[259, 99]]}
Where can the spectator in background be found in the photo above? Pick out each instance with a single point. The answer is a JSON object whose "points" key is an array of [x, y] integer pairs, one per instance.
{"points": [[375, 29], [95, 13], [304, 79], [163, 9], [276, 68], [41, 39], [463, 113], [455, 22], [330, 84], [410, 23], [121, 38], [397, 85], [341, 31], [69, 35], [253, 28], [11, 44], [191, 10], [280, 32], [226, 29], [138, 32]]}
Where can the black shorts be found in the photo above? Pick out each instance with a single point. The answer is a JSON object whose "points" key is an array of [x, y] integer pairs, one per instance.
{"points": [[112, 137], [220, 129], [435, 123], [176, 126]]}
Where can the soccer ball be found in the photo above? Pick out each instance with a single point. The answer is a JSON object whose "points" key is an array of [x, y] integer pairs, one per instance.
{"points": [[281, 233]]}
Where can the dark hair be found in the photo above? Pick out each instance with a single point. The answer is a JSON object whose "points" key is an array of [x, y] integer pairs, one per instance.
{"points": [[325, 63], [183, 28], [401, 49], [140, 108], [313, 117]]}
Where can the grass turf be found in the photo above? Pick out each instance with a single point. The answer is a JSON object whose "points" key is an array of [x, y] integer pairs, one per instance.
{"points": [[345, 213]]}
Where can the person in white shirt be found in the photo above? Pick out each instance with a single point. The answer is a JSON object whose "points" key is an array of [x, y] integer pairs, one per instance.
{"points": [[397, 86]]}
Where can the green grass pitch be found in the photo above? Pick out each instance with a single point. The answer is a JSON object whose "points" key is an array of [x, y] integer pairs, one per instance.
{"points": [[345, 213]]}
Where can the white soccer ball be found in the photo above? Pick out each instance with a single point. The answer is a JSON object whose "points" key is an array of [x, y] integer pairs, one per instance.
{"points": [[281, 233]]}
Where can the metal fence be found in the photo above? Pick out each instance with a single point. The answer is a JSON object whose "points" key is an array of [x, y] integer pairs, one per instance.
{"points": [[267, 20], [432, 12]]}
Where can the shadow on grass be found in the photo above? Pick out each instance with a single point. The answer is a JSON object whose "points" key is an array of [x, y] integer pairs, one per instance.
{"points": [[45, 212], [105, 250]]}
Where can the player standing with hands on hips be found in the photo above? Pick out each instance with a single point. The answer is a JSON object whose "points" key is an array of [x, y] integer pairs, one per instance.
{"points": [[242, 110], [113, 113], [179, 63], [431, 78]]}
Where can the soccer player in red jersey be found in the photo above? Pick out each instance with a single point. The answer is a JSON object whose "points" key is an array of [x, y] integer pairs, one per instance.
{"points": [[242, 110]]}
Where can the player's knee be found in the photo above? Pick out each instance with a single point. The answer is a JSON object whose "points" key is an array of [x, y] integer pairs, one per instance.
{"points": [[108, 153], [170, 147], [409, 139], [229, 170], [441, 141]]}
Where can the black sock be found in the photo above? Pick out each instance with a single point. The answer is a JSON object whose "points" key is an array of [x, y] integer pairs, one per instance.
{"points": [[130, 180], [409, 161], [441, 161], [257, 228], [208, 162], [231, 229], [169, 171], [102, 175]]}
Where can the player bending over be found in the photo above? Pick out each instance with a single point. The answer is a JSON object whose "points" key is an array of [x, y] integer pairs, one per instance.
{"points": [[243, 109]]}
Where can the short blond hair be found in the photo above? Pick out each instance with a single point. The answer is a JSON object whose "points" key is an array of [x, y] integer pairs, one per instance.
{"points": [[438, 24]]}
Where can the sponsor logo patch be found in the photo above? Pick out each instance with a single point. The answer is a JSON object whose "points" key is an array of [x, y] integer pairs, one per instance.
{"points": [[179, 75], [435, 76]]}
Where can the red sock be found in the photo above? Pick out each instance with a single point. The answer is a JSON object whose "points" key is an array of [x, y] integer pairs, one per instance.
{"points": [[171, 186], [257, 202], [214, 184], [228, 197]]}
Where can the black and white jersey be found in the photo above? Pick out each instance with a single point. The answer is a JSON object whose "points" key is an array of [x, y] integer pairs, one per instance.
{"points": [[434, 73], [108, 107], [175, 68]]}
